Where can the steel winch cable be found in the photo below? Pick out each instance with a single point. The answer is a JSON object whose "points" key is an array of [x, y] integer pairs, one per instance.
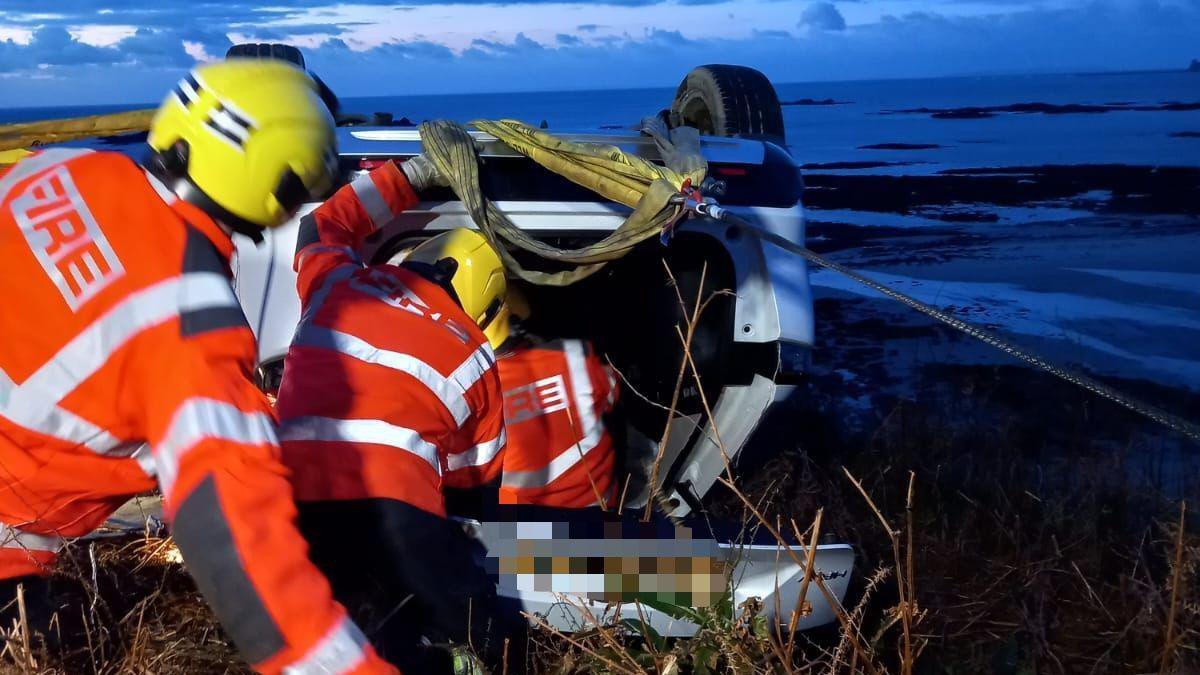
{"points": [[1176, 423]]}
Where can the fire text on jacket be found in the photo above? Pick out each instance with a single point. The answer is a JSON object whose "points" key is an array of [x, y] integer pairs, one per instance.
{"points": [[65, 237]]}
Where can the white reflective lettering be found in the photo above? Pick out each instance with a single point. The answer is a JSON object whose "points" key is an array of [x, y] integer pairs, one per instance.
{"points": [[65, 238], [587, 426], [543, 397]]}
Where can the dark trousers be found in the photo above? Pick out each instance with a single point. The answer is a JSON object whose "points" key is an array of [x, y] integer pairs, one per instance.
{"points": [[405, 574]]}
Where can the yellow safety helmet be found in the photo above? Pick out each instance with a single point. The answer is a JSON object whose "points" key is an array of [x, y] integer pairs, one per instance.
{"points": [[477, 279], [246, 140], [515, 307]]}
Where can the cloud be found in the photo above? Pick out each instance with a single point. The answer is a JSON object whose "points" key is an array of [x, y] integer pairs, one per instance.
{"points": [[173, 13], [53, 67], [53, 47], [822, 16], [666, 37], [521, 44], [154, 48], [281, 32]]}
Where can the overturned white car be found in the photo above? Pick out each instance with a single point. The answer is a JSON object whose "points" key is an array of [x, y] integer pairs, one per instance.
{"points": [[750, 346]]}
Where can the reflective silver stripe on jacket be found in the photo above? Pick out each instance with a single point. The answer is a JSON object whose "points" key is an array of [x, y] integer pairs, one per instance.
{"points": [[51, 420], [479, 362], [477, 455], [200, 419], [33, 403], [341, 650], [160, 188], [314, 249], [12, 537], [376, 432], [593, 430], [448, 390], [317, 298], [372, 200]]}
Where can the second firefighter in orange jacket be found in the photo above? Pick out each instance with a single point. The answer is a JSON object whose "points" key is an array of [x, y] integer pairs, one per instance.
{"points": [[120, 327], [560, 452], [389, 393]]}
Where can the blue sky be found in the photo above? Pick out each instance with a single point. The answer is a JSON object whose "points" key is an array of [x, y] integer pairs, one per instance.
{"points": [[105, 51]]}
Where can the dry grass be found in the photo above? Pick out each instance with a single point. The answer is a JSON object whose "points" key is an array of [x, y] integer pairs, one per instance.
{"points": [[979, 589], [1025, 561], [125, 606]]}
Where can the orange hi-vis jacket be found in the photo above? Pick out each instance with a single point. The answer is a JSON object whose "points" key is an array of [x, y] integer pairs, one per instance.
{"points": [[126, 364], [559, 451], [389, 389]]}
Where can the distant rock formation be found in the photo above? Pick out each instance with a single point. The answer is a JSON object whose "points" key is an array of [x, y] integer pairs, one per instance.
{"points": [[814, 101], [900, 146], [1195, 67], [975, 113]]}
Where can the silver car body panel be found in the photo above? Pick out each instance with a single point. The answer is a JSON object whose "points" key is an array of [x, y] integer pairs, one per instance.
{"points": [[392, 141], [736, 415]]}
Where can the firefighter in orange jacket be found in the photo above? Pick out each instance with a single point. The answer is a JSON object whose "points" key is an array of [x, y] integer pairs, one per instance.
{"points": [[120, 328], [556, 394], [389, 394]]}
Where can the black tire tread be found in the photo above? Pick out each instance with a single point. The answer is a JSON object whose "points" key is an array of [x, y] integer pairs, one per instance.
{"points": [[266, 50], [740, 100]]}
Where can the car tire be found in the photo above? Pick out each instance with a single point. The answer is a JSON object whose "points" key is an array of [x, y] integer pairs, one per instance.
{"points": [[724, 100], [266, 50], [263, 50]]}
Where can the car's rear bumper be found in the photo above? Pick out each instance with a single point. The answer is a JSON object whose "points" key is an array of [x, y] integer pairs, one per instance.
{"points": [[587, 568]]}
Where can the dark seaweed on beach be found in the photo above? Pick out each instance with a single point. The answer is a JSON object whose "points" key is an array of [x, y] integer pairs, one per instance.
{"points": [[814, 101], [1134, 189], [983, 112], [901, 146], [835, 166]]}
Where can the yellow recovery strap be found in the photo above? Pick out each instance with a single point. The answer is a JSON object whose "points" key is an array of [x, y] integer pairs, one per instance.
{"points": [[10, 157], [25, 135], [632, 181]]}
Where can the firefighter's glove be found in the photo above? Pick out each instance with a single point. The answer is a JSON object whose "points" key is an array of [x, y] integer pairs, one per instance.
{"points": [[423, 174]]}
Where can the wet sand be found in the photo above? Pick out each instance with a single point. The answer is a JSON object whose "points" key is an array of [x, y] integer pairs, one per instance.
{"points": [[1092, 266]]}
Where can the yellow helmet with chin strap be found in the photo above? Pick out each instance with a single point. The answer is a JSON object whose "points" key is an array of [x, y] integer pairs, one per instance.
{"points": [[477, 277], [515, 307], [246, 140]]}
